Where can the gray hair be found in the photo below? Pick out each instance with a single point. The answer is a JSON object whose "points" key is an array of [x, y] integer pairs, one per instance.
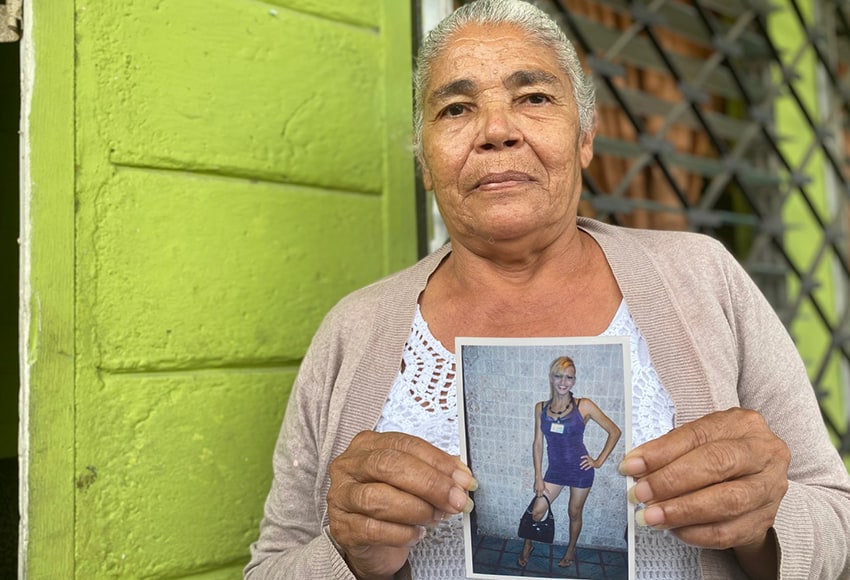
{"points": [[528, 18]]}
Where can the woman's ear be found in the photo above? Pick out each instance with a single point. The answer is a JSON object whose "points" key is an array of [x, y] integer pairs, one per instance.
{"points": [[586, 148], [586, 145], [427, 180]]}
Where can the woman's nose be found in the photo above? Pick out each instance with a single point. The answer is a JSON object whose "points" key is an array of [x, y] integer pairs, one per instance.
{"points": [[498, 129]]}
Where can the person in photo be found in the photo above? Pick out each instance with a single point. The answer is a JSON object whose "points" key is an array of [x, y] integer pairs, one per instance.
{"points": [[560, 422]]}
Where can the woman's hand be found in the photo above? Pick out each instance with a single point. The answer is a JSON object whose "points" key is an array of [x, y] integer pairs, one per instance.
{"points": [[539, 486], [716, 483], [385, 489], [587, 462]]}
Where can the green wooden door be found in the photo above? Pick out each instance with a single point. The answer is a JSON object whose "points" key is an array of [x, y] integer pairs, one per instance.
{"points": [[207, 178]]}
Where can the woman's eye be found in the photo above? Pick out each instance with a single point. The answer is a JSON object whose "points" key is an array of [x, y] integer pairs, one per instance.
{"points": [[454, 110], [537, 99]]}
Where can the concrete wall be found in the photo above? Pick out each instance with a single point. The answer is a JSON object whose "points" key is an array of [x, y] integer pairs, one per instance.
{"points": [[238, 168]]}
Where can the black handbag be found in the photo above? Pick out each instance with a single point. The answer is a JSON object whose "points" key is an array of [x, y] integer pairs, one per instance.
{"points": [[542, 531]]}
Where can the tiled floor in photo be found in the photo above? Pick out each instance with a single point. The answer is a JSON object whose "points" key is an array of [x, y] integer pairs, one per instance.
{"points": [[499, 556]]}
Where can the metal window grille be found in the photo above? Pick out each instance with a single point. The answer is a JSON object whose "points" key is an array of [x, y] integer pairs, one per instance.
{"points": [[732, 118]]}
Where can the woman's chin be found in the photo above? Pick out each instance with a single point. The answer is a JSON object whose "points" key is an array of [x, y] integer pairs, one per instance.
{"points": [[515, 231]]}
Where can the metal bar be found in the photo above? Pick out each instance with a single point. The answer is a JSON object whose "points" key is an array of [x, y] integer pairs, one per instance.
{"points": [[680, 17], [612, 88], [828, 67], [774, 238], [630, 48], [818, 131], [726, 126]]}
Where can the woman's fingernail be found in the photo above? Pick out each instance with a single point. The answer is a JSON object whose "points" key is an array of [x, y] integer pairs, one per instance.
{"points": [[439, 515], [640, 492], [632, 466], [652, 516], [464, 479], [470, 505], [421, 531], [458, 498], [463, 465]]}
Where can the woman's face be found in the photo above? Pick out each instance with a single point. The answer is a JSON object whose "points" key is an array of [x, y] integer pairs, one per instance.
{"points": [[562, 380], [501, 143]]}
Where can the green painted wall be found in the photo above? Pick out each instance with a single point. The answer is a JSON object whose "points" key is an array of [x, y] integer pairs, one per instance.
{"points": [[238, 168]]}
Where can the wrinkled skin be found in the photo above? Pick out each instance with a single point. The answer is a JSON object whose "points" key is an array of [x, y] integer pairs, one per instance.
{"points": [[715, 483], [386, 489]]}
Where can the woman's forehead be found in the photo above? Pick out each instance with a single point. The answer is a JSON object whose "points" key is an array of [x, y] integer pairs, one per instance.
{"points": [[562, 366], [501, 49]]}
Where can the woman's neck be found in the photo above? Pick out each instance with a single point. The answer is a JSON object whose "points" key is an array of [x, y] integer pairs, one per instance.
{"points": [[517, 264], [566, 290], [561, 404]]}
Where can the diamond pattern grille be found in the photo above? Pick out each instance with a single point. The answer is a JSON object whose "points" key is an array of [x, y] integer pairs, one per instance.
{"points": [[732, 118]]}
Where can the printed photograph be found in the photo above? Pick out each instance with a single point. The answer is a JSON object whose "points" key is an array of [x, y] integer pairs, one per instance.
{"points": [[544, 424]]}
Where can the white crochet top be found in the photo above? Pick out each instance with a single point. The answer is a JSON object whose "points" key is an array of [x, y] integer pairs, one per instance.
{"points": [[423, 402]]}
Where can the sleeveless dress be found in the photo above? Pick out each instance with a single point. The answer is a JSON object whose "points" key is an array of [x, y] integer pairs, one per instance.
{"points": [[565, 448]]}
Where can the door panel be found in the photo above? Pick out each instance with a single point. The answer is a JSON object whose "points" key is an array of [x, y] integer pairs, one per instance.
{"points": [[222, 172]]}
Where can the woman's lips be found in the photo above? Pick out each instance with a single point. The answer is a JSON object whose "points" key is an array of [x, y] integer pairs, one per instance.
{"points": [[496, 180]]}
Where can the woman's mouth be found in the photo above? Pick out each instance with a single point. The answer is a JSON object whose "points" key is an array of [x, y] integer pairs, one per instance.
{"points": [[502, 179]]}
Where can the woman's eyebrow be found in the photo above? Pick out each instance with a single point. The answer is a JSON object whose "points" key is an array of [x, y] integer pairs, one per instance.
{"points": [[463, 87], [468, 87], [526, 78]]}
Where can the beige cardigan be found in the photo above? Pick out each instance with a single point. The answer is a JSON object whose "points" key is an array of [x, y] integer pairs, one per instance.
{"points": [[713, 339]]}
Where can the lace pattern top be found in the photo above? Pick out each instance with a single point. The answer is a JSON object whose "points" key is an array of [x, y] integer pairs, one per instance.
{"points": [[423, 402], [423, 399]]}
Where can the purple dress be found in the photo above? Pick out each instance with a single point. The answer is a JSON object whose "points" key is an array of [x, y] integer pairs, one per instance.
{"points": [[565, 448]]}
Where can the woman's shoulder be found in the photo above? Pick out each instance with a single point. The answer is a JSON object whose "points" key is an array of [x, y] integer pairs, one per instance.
{"points": [[586, 404], [685, 258], [399, 289], [655, 241]]}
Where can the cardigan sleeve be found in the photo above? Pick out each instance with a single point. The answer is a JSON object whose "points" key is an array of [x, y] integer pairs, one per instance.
{"points": [[294, 542], [340, 390], [716, 342], [814, 516]]}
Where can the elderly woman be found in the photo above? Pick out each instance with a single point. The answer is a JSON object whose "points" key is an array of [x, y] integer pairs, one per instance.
{"points": [[367, 483]]}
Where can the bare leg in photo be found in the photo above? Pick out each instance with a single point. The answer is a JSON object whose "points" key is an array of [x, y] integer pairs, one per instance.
{"points": [[578, 496], [551, 491]]}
